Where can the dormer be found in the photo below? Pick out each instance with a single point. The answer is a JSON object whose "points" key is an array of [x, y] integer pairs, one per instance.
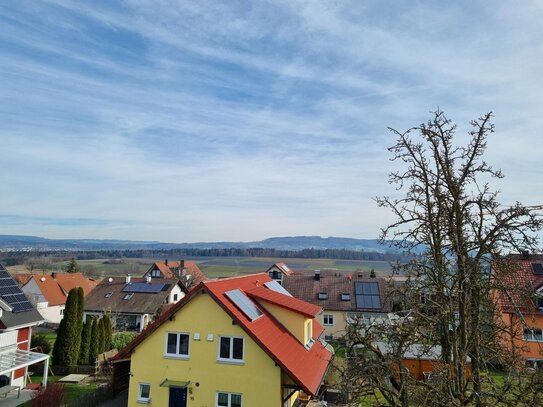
{"points": [[539, 299], [277, 271], [295, 315]]}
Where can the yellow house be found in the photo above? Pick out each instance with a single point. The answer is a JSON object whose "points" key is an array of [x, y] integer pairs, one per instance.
{"points": [[235, 342]]}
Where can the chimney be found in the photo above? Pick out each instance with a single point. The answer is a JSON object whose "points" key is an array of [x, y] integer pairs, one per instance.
{"points": [[127, 279], [525, 255], [317, 275], [360, 274], [148, 279], [53, 274], [350, 276], [182, 264], [166, 262]]}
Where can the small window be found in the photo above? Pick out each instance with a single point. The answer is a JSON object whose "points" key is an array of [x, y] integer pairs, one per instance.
{"points": [[62, 311], [228, 399], [174, 297], [155, 273], [108, 295], [323, 295], [177, 345], [328, 319], [128, 296], [230, 349], [144, 395], [345, 297]]}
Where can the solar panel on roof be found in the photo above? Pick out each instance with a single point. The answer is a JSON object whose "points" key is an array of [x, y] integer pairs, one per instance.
{"points": [[537, 268], [275, 286], [244, 304], [12, 294], [367, 295], [143, 288]]}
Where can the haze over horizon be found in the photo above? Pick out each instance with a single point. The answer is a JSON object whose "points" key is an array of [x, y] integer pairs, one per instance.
{"points": [[201, 121]]}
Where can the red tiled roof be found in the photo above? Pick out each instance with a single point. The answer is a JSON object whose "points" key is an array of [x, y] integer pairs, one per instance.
{"points": [[22, 278], [73, 280], [290, 303], [168, 270], [55, 289], [306, 367], [50, 289], [518, 284]]}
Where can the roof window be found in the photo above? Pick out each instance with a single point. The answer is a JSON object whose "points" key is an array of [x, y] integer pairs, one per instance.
{"points": [[108, 295], [128, 296], [537, 268], [323, 295], [345, 297]]}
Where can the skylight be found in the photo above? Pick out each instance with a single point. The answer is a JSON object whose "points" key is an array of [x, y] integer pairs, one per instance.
{"points": [[345, 297], [128, 296], [537, 268], [323, 295], [244, 304], [108, 295]]}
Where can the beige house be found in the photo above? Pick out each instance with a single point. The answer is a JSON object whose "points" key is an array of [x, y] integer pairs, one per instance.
{"points": [[341, 295]]}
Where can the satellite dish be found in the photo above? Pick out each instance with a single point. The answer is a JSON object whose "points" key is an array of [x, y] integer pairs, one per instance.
{"points": [[42, 279], [110, 279]]}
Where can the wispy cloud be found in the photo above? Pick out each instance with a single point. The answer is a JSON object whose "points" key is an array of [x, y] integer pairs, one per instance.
{"points": [[184, 121]]}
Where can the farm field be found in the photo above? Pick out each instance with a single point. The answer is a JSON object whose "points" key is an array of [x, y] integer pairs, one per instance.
{"points": [[213, 267]]}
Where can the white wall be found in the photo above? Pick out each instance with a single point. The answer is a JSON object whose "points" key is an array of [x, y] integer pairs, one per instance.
{"points": [[52, 314], [176, 290], [33, 292]]}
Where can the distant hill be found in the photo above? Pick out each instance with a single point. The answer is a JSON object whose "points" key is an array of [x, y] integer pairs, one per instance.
{"points": [[34, 243]]}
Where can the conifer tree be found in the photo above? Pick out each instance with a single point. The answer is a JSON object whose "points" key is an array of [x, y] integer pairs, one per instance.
{"points": [[93, 348], [66, 347], [108, 333], [85, 342], [101, 336], [72, 267], [79, 315]]}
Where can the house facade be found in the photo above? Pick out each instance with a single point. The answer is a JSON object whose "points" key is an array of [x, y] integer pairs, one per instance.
{"points": [[233, 342], [50, 292], [132, 303], [520, 306], [343, 297], [17, 318]]}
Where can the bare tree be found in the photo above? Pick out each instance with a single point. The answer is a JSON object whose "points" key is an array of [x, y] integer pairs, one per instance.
{"points": [[448, 208]]}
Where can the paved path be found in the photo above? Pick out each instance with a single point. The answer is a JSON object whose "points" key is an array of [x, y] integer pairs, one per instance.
{"points": [[12, 401]]}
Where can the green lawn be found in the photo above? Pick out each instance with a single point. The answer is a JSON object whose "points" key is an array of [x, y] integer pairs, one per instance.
{"points": [[74, 391]]}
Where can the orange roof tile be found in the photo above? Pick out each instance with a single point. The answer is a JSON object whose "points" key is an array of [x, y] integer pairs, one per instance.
{"points": [[306, 367], [191, 267], [55, 288], [21, 278]]}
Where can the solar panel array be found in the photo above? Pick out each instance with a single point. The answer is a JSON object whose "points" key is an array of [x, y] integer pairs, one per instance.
{"points": [[244, 304], [275, 286], [143, 288], [367, 295], [537, 268], [12, 294]]}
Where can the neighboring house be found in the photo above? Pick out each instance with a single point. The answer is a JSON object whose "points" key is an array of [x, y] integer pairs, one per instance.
{"points": [[233, 342], [132, 303], [278, 271], [342, 297], [49, 292], [520, 304], [421, 361], [187, 272], [17, 317]]}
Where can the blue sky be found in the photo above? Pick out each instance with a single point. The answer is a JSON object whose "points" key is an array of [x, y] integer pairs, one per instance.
{"points": [[187, 121]]}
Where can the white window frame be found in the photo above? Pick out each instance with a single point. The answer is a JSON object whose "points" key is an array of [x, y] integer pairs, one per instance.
{"points": [[529, 335], [229, 398], [176, 355], [328, 319], [231, 358], [141, 399]]}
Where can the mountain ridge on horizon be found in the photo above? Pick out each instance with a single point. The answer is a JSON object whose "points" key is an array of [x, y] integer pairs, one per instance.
{"points": [[25, 242]]}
